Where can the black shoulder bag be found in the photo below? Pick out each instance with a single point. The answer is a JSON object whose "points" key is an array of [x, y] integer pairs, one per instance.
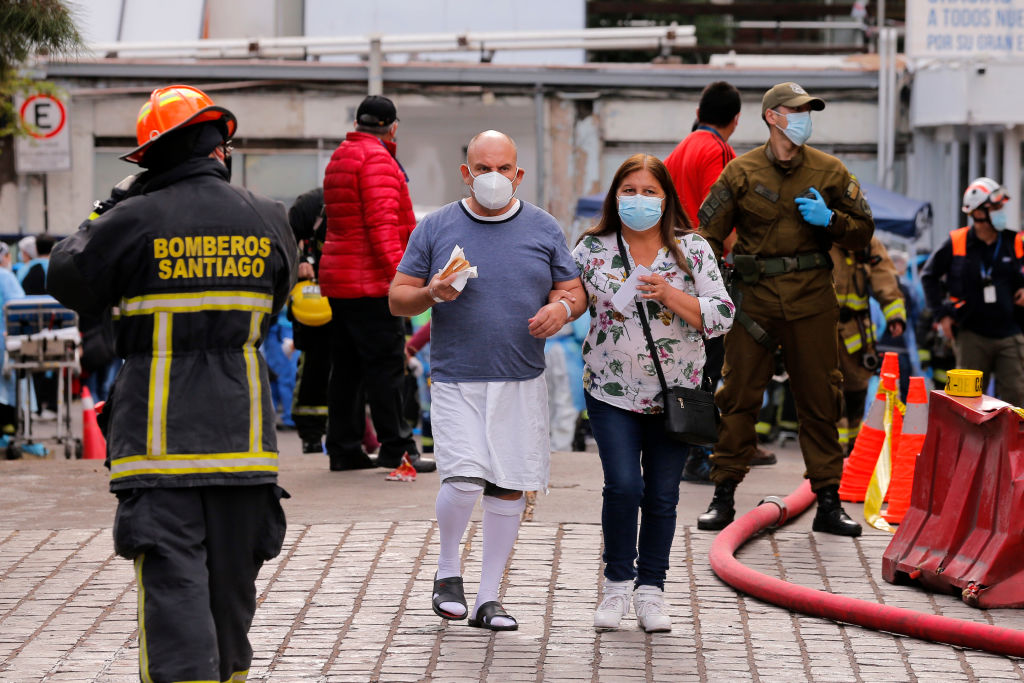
{"points": [[691, 415]]}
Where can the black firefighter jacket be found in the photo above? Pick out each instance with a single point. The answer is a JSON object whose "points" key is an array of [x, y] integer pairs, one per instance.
{"points": [[196, 268]]}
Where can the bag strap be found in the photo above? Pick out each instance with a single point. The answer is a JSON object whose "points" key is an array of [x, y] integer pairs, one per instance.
{"points": [[651, 348]]}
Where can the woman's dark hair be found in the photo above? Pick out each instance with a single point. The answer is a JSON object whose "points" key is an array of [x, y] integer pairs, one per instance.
{"points": [[674, 222]]}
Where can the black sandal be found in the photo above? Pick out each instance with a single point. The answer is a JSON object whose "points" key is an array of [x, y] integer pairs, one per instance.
{"points": [[487, 612], [449, 590]]}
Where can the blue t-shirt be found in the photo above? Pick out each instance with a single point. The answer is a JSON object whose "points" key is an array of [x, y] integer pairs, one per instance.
{"points": [[484, 336]]}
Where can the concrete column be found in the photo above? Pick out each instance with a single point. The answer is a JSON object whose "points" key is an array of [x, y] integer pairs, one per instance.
{"points": [[375, 68], [992, 155], [953, 216], [562, 184], [23, 221], [925, 177], [884, 125], [541, 131], [1011, 175], [973, 153]]}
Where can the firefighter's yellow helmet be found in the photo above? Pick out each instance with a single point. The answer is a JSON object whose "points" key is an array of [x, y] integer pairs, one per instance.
{"points": [[309, 307]]}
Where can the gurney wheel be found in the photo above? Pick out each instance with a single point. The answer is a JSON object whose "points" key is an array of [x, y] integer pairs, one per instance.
{"points": [[12, 452]]}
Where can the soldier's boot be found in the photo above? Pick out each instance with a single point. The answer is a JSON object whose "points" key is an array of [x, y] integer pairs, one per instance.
{"points": [[722, 509], [831, 518]]}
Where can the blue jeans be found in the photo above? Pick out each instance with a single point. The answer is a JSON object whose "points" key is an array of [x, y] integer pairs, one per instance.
{"points": [[642, 467]]}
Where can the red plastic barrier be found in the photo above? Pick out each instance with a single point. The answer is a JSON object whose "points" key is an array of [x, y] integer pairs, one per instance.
{"points": [[965, 526]]}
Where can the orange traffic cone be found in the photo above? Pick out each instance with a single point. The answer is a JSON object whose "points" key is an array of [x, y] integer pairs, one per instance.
{"points": [[94, 446], [890, 364], [404, 472], [861, 462], [915, 426]]}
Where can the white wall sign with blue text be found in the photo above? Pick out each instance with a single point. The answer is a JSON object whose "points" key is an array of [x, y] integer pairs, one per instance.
{"points": [[953, 29]]}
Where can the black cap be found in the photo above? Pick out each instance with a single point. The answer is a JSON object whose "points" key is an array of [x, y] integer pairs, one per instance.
{"points": [[376, 110]]}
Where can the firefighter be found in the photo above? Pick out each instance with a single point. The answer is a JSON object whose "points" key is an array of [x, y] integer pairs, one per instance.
{"points": [[788, 202], [196, 267], [860, 275], [310, 317]]}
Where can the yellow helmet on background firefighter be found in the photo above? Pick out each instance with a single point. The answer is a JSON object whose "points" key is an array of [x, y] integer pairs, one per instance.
{"points": [[308, 306]]}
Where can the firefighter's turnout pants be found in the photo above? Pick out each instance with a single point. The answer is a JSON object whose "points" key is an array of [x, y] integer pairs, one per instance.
{"points": [[197, 551], [309, 402]]}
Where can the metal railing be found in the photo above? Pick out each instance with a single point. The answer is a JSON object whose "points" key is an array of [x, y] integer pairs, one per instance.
{"points": [[484, 43]]}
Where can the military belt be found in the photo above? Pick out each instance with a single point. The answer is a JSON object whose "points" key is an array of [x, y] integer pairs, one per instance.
{"points": [[779, 265], [753, 268]]}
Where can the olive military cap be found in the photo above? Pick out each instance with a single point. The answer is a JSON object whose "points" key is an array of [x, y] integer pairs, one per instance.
{"points": [[789, 95]]}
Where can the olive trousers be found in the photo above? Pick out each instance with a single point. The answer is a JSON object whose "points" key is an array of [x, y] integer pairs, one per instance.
{"points": [[811, 355]]}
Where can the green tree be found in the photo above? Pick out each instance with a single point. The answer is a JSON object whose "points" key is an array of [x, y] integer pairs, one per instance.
{"points": [[28, 28]]}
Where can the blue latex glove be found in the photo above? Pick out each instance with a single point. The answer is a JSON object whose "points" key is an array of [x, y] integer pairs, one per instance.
{"points": [[814, 210]]}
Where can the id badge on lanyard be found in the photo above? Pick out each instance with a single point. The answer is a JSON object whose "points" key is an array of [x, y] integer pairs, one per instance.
{"points": [[988, 290]]}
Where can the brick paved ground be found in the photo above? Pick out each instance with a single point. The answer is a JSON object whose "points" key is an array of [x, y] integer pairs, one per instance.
{"points": [[350, 602], [348, 599]]}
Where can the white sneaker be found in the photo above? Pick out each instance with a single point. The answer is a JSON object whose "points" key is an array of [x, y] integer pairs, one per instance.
{"points": [[614, 606], [651, 610], [46, 415]]}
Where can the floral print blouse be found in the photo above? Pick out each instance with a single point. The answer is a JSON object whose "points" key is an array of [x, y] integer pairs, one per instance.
{"points": [[619, 370]]}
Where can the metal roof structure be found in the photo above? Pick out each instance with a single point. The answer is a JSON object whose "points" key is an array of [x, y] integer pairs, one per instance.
{"points": [[594, 75]]}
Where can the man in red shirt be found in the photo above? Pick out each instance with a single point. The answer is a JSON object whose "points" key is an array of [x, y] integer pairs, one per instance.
{"points": [[697, 161]]}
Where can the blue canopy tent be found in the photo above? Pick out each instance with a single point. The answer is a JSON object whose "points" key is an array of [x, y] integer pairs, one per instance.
{"points": [[896, 214]]}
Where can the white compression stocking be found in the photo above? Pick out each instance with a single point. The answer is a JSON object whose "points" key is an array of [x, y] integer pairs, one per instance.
{"points": [[454, 507], [501, 527]]}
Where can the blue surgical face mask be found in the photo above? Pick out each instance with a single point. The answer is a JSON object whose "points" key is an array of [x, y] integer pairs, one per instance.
{"points": [[998, 219], [639, 212], [798, 126]]}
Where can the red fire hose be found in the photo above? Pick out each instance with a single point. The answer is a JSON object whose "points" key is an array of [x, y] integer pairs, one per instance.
{"points": [[774, 512]]}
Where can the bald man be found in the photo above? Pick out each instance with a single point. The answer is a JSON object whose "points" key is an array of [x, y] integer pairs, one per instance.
{"points": [[488, 397]]}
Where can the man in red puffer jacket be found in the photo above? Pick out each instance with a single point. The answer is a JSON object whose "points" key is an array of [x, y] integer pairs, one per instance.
{"points": [[369, 219]]}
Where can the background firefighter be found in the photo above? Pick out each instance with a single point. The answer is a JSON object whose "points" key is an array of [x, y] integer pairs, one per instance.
{"points": [[196, 267], [309, 408], [859, 276]]}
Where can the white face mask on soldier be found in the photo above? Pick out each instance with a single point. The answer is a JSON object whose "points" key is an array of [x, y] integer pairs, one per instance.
{"points": [[492, 190]]}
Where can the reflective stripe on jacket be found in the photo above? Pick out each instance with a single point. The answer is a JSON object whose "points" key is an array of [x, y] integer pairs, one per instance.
{"points": [[196, 267], [856, 280]]}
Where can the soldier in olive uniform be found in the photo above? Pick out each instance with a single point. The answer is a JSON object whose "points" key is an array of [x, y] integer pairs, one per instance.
{"points": [[789, 203]]}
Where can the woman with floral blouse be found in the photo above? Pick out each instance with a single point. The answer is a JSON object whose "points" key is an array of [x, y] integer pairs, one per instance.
{"points": [[684, 300]]}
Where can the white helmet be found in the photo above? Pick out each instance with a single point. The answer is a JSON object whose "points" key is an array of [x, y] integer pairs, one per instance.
{"points": [[981, 192]]}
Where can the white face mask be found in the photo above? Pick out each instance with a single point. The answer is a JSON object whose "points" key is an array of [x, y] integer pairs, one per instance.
{"points": [[798, 126], [493, 190], [997, 218]]}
